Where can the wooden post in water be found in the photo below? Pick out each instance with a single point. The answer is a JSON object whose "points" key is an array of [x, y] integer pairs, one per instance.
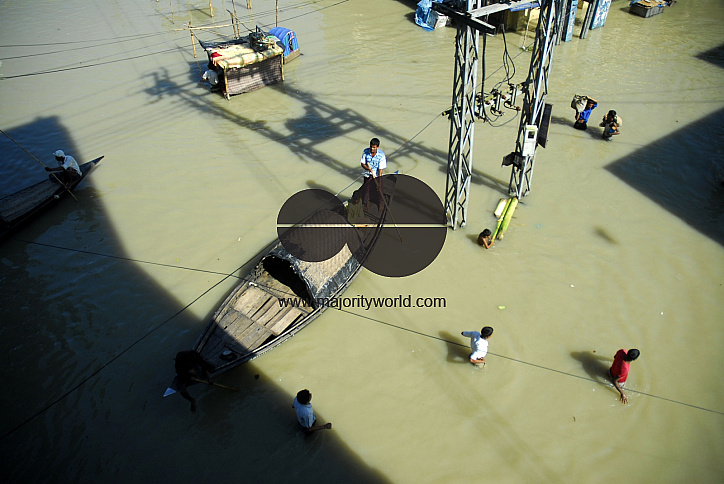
{"points": [[234, 25], [211, 8], [277, 9], [233, 4], [193, 44]]}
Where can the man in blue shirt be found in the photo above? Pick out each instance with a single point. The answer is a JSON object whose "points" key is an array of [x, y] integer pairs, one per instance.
{"points": [[374, 162], [582, 116]]}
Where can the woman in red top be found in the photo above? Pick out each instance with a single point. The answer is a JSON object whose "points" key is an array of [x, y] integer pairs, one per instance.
{"points": [[619, 369]]}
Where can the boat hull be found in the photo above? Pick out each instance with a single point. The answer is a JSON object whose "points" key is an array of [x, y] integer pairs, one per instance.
{"points": [[282, 295], [25, 205]]}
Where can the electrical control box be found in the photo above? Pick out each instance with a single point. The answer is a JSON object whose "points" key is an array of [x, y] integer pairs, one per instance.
{"points": [[530, 139]]}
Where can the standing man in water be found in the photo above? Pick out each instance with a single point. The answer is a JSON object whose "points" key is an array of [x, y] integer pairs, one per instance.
{"points": [[619, 369], [190, 368], [374, 162], [582, 116], [305, 412]]}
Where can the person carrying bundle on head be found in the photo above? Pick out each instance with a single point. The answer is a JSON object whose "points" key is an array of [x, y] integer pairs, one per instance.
{"points": [[582, 115]]}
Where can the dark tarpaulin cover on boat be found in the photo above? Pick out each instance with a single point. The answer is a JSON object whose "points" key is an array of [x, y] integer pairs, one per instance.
{"points": [[322, 279]]}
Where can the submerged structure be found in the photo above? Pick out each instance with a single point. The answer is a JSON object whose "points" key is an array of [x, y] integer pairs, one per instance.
{"points": [[244, 64]]}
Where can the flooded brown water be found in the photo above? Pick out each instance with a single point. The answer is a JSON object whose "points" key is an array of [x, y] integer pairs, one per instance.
{"points": [[618, 245]]}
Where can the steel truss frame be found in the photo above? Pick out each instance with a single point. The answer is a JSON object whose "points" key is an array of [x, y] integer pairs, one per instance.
{"points": [[463, 110], [535, 90]]}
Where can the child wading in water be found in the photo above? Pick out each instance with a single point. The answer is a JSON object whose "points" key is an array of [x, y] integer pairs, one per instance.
{"points": [[610, 124], [305, 413], [479, 344], [485, 239]]}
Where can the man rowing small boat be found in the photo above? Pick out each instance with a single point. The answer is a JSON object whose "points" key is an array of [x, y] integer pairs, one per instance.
{"points": [[68, 168]]}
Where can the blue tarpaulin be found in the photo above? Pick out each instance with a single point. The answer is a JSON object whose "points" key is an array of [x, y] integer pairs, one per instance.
{"points": [[425, 16], [287, 37], [524, 6], [600, 13]]}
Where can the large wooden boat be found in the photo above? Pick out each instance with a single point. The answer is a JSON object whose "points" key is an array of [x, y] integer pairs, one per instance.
{"points": [[283, 294], [21, 207]]}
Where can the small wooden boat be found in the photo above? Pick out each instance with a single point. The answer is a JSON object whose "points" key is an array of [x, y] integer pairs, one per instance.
{"points": [[21, 207], [283, 294]]}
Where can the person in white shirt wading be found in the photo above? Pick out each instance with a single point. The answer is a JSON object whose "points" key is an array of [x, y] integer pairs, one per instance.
{"points": [[479, 344]]}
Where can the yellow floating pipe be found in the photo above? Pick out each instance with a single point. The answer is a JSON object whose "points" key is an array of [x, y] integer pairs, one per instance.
{"points": [[506, 218], [500, 220]]}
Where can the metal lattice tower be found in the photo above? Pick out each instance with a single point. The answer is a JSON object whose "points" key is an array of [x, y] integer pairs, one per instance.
{"points": [[535, 91], [462, 113]]}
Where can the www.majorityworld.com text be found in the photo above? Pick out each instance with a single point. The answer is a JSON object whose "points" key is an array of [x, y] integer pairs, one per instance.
{"points": [[366, 302]]}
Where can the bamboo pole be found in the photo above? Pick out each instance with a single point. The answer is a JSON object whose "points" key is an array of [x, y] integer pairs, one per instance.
{"points": [[210, 28], [193, 44], [235, 16], [251, 14], [211, 8], [277, 9], [525, 34], [232, 24], [212, 383]]}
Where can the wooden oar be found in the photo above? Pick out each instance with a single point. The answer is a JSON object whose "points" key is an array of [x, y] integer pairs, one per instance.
{"points": [[21, 147], [208, 382]]}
